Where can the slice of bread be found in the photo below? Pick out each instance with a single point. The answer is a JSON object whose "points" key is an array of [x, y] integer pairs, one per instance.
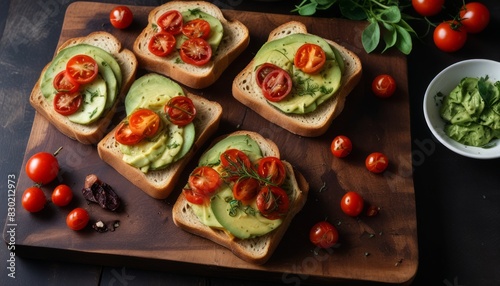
{"points": [[315, 123], [254, 250], [235, 40], [91, 133], [160, 183]]}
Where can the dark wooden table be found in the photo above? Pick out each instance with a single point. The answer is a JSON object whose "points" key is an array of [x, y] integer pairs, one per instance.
{"points": [[457, 199]]}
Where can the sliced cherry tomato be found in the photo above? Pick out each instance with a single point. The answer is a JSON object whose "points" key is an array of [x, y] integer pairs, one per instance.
{"points": [[341, 146], [196, 51], [352, 204], [42, 168], [276, 85], [180, 110], [33, 199], [272, 202], [246, 189], [62, 195], [121, 17], [171, 21], [197, 28], [64, 83], [125, 136], [450, 36], [272, 170], [162, 44], [144, 122], [67, 103], [427, 8], [310, 58], [474, 17], [384, 86], [376, 162], [263, 71], [204, 180], [82, 68], [77, 219], [324, 234], [194, 197], [234, 160]]}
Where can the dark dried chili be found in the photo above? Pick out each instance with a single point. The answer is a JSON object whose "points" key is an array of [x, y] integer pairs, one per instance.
{"points": [[101, 193]]}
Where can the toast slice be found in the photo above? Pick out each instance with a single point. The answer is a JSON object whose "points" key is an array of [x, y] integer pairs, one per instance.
{"points": [[160, 183], [315, 123], [254, 250], [89, 133], [235, 40]]}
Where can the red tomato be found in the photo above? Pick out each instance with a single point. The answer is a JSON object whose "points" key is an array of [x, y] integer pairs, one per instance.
{"points": [[204, 180], [272, 202], [352, 204], [77, 219], [64, 83], [67, 103], [341, 146], [125, 136], [196, 51], [384, 86], [171, 21], [450, 36], [162, 44], [428, 7], [82, 69], [234, 163], [272, 170], [376, 162], [246, 189], [194, 197], [33, 199], [310, 58], [62, 195], [474, 17], [263, 71], [276, 85], [197, 28], [42, 167], [180, 110], [324, 234], [121, 17], [144, 122]]}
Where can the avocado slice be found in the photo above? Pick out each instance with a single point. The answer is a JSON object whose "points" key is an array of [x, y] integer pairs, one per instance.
{"points": [[94, 102], [241, 142]]}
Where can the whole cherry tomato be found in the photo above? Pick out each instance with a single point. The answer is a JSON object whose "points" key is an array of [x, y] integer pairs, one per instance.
{"points": [[352, 203], [77, 219], [474, 17], [323, 234], [376, 162], [341, 146], [62, 195], [43, 167], [33, 199], [121, 17], [450, 36], [384, 85], [427, 7]]}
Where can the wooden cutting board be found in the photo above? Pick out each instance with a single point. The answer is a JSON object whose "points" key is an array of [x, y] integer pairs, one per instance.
{"points": [[381, 248]]}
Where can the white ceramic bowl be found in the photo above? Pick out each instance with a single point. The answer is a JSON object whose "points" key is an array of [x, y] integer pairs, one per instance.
{"points": [[445, 82]]}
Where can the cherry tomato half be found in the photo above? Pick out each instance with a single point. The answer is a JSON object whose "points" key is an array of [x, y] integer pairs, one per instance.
{"points": [[171, 21], [204, 180], [352, 204], [234, 161], [197, 28], [64, 83], [162, 44], [245, 189], [144, 122], [323, 234], [125, 136], [67, 103], [272, 202], [194, 197], [272, 170], [341, 146], [276, 85], [180, 110], [427, 8], [33, 199], [77, 219], [121, 17], [474, 17], [263, 71], [310, 58], [196, 51], [62, 195], [449, 36], [42, 168], [82, 68], [383, 86], [376, 162]]}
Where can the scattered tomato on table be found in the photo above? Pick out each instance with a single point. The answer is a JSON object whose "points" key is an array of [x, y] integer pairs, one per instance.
{"points": [[384, 86], [62, 195], [121, 17], [376, 162], [78, 219], [43, 167], [352, 204], [341, 146], [33, 199], [323, 234]]}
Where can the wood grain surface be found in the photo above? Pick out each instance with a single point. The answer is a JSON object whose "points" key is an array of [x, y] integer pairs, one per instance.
{"points": [[381, 248]]}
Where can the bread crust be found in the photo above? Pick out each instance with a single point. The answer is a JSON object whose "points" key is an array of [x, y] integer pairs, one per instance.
{"points": [[255, 250], [311, 124], [92, 133], [235, 40]]}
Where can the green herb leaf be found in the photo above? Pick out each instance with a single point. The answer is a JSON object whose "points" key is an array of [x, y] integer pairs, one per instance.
{"points": [[488, 91], [351, 10], [403, 42], [371, 37]]}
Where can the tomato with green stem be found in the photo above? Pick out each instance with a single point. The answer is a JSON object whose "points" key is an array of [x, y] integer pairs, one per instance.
{"points": [[43, 167], [324, 235], [474, 17], [450, 36]]}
